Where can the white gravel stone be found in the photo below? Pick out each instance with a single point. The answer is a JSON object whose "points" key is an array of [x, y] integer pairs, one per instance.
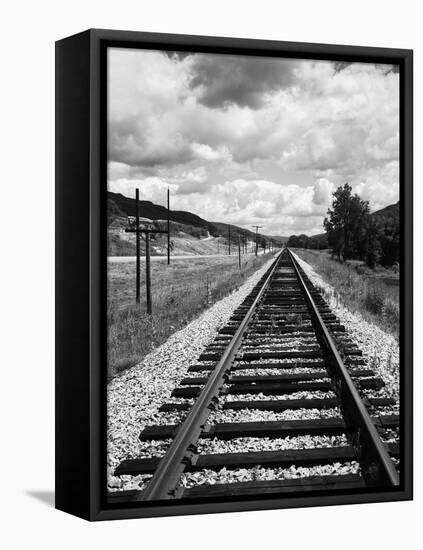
{"points": [[390, 436], [380, 350], [258, 473], [257, 415], [282, 397], [257, 444], [290, 346], [281, 361], [284, 341], [133, 399], [277, 372], [199, 374]]}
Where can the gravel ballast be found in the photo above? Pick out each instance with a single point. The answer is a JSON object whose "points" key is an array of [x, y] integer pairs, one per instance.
{"points": [[211, 477], [258, 415], [133, 399], [282, 397], [380, 350], [257, 444]]}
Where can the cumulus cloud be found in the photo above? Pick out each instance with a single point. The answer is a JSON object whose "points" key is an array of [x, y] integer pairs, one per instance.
{"points": [[347, 121], [152, 189], [203, 151], [248, 139], [322, 191], [246, 81], [145, 89], [379, 187]]}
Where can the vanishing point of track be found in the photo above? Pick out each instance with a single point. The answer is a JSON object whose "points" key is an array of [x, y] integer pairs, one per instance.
{"points": [[284, 307]]}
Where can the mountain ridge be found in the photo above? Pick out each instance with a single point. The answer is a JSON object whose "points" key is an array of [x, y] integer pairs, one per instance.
{"points": [[387, 216], [121, 206]]}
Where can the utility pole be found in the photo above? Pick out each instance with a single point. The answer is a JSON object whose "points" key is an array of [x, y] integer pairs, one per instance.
{"points": [[239, 251], [229, 239], [137, 225], [148, 272], [138, 231], [257, 228], [168, 226]]}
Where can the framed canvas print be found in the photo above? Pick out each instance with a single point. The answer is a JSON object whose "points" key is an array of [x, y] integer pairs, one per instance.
{"points": [[234, 274]]}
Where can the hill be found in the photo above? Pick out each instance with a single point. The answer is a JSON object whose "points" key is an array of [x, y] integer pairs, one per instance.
{"points": [[190, 234], [121, 206], [279, 239], [223, 229], [389, 213], [318, 242], [386, 235], [118, 204], [387, 216]]}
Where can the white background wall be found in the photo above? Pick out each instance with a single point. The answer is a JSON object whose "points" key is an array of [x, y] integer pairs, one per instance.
{"points": [[28, 32]]}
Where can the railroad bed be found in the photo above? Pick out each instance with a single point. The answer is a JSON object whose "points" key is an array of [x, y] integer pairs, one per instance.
{"points": [[280, 402]]}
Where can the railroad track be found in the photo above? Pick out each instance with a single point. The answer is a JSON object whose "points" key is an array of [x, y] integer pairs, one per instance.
{"points": [[282, 350]]}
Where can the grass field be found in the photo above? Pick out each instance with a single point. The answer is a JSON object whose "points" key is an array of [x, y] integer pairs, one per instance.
{"points": [[372, 292], [179, 293]]}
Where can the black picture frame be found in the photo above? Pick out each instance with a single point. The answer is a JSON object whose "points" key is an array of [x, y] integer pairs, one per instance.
{"points": [[81, 140]]}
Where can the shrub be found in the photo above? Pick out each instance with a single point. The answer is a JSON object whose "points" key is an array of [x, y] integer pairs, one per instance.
{"points": [[373, 301], [359, 289], [391, 313]]}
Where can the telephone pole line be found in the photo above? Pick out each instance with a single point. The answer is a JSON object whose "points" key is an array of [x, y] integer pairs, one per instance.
{"points": [[147, 232], [137, 228], [168, 226], [257, 228], [239, 251]]}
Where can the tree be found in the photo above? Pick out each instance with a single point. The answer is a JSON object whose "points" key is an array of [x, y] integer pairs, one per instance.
{"points": [[368, 241], [318, 242], [344, 222], [390, 243], [293, 242], [298, 241]]}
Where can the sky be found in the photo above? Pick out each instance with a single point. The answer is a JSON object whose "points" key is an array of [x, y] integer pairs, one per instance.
{"points": [[251, 140]]}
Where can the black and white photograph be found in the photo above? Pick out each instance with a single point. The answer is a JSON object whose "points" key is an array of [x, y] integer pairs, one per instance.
{"points": [[210, 241], [253, 276]]}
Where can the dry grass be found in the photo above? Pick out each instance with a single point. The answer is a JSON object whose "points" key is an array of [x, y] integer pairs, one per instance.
{"points": [[373, 293], [180, 292]]}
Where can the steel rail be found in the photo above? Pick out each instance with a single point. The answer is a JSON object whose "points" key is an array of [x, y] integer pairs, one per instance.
{"points": [[164, 481], [377, 467]]}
